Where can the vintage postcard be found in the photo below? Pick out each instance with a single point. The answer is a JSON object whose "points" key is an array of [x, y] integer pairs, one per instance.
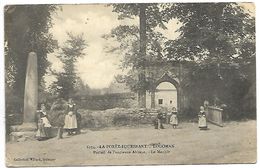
{"points": [[130, 84]]}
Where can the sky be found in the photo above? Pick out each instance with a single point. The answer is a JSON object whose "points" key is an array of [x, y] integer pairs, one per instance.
{"points": [[97, 68]]}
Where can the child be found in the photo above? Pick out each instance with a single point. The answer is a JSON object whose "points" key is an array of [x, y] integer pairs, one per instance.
{"points": [[160, 120], [174, 119], [47, 125], [45, 121], [40, 134], [202, 119]]}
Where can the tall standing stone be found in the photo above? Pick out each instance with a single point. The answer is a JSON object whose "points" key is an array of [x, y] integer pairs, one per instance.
{"points": [[31, 89], [28, 128]]}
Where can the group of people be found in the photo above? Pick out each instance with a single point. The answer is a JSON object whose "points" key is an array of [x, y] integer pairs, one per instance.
{"points": [[70, 122], [173, 120], [202, 121]]}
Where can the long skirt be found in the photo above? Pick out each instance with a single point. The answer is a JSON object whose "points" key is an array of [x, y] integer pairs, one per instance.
{"points": [[47, 126], [202, 122], [41, 134], [48, 131], [70, 122], [174, 120], [46, 122]]}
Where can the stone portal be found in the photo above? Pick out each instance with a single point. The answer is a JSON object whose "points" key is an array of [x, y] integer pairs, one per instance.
{"points": [[171, 73]]}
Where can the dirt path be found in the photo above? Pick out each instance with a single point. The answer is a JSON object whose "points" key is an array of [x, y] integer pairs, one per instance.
{"points": [[234, 143]]}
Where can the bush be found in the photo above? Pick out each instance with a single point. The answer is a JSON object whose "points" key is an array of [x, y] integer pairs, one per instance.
{"points": [[107, 101], [114, 117], [121, 120]]}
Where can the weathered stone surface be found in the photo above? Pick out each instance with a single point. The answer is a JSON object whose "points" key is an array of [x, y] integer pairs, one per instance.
{"points": [[28, 129], [214, 115], [24, 127], [31, 89], [116, 117], [22, 136], [22, 139]]}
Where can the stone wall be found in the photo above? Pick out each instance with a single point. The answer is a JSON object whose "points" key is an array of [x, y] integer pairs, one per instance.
{"points": [[214, 115], [116, 117], [107, 101]]}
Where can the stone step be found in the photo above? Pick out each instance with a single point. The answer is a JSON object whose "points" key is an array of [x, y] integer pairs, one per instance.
{"points": [[19, 136], [24, 127], [22, 136]]}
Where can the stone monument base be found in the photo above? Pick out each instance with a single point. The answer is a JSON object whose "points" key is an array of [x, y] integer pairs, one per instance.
{"points": [[27, 131], [24, 132]]}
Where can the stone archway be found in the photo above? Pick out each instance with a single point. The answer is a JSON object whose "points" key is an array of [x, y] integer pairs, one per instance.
{"points": [[173, 81]]}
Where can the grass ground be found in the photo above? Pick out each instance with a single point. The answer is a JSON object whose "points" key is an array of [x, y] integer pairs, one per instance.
{"points": [[233, 143]]}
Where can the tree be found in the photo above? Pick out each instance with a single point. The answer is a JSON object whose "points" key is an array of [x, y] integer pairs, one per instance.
{"points": [[81, 89], [72, 50], [138, 37], [210, 32], [219, 39], [26, 29]]}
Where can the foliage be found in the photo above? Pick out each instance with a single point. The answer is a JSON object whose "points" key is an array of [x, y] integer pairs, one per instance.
{"points": [[211, 33], [219, 39], [115, 117], [106, 101], [81, 88], [27, 29], [154, 16], [129, 38], [72, 50]]}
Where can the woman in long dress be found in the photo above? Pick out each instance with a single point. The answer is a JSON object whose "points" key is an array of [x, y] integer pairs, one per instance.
{"points": [[174, 118], [202, 119], [70, 122]]}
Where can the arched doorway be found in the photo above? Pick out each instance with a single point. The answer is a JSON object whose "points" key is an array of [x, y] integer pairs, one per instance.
{"points": [[166, 95], [168, 86]]}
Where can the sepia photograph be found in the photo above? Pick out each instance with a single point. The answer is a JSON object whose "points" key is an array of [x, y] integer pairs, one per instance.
{"points": [[130, 84]]}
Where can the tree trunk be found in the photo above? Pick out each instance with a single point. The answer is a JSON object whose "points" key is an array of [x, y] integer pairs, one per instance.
{"points": [[141, 70]]}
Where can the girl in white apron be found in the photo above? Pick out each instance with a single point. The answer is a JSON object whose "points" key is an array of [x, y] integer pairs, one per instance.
{"points": [[202, 119], [44, 126], [40, 134], [174, 118]]}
